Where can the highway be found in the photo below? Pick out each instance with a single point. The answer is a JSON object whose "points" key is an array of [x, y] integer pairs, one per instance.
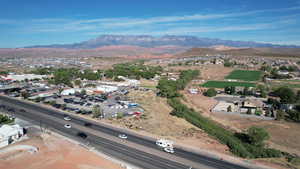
{"points": [[54, 120]]}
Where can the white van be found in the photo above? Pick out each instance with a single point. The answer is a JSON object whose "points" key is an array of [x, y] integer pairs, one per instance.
{"points": [[164, 143]]}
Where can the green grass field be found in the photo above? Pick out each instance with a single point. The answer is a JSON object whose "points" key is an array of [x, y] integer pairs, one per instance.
{"points": [[245, 75], [223, 84]]}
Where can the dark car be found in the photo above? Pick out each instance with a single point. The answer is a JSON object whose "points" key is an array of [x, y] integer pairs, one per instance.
{"points": [[22, 110], [68, 100], [82, 135], [87, 124]]}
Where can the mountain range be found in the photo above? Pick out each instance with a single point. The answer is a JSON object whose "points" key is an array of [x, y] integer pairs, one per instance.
{"points": [[147, 41]]}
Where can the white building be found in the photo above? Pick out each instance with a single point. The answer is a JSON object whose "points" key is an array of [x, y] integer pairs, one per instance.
{"points": [[106, 88], [24, 77], [193, 91], [71, 91], [9, 134]]}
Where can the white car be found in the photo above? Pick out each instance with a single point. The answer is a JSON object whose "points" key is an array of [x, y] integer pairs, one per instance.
{"points": [[169, 150], [68, 126], [67, 118], [122, 136]]}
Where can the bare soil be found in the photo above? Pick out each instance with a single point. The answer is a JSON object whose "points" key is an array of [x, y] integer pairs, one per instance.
{"points": [[157, 122], [55, 153]]}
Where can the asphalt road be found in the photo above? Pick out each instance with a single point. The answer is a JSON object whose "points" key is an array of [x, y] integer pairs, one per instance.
{"points": [[51, 118]]}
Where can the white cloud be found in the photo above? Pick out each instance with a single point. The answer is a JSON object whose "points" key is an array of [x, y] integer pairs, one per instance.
{"points": [[188, 23]]}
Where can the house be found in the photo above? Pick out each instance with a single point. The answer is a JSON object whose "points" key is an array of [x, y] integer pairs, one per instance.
{"points": [[9, 134], [193, 91], [252, 105]]}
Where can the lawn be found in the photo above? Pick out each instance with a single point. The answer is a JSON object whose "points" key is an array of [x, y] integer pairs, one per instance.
{"points": [[246, 75], [223, 84]]}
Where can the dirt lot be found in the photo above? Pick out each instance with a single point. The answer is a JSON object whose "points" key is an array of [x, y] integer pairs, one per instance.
{"points": [[54, 153], [158, 122], [208, 72]]}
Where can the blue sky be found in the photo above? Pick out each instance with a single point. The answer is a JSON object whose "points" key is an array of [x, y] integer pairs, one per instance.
{"points": [[40, 22]]}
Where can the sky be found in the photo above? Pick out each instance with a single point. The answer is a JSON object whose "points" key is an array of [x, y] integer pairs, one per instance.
{"points": [[41, 22]]}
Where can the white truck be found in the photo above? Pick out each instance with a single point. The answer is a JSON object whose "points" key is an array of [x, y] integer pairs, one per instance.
{"points": [[167, 145]]}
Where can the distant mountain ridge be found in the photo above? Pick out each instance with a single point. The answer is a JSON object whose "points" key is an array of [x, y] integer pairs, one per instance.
{"points": [[148, 41]]}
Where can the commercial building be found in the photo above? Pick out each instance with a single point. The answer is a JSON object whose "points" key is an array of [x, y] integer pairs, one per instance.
{"points": [[9, 134]]}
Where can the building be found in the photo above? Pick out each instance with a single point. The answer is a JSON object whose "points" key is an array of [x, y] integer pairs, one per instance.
{"points": [[24, 77], [106, 88], [251, 105], [193, 91], [9, 134], [71, 91]]}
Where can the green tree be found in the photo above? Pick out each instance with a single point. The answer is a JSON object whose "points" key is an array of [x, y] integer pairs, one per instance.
{"points": [[120, 115], [211, 92], [4, 119], [280, 115], [286, 95], [97, 111], [229, 90], [294, 115], [167, 88], [83, 92], [257, 135], [77, 82]]}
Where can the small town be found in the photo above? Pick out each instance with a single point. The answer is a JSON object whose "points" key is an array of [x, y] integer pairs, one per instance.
{"points": [[150, 84]]}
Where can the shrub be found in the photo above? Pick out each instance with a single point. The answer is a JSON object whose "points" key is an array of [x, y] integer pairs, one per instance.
{"points": [[210, 92]]}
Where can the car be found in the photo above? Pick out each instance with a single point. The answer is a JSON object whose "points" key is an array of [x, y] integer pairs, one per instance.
{"points": [[68, 126], [82, 135], [169, 150], [122, 136], [88, 124], [67, 118]]}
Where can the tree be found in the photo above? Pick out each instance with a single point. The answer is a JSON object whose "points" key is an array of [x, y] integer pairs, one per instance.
{"points": [[77, 82], [25, 94], [4, 119], [257, 135], [280, 115], [211, 92], [229, 90], [247, 91], [266, 68], [263, 94], [53, 102], [167, 88], [286, 95], [298, 96], [229, 109], [83, 92], [227, 63], [294, 115], [120, 115], [249, 111], [97, 111]]}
